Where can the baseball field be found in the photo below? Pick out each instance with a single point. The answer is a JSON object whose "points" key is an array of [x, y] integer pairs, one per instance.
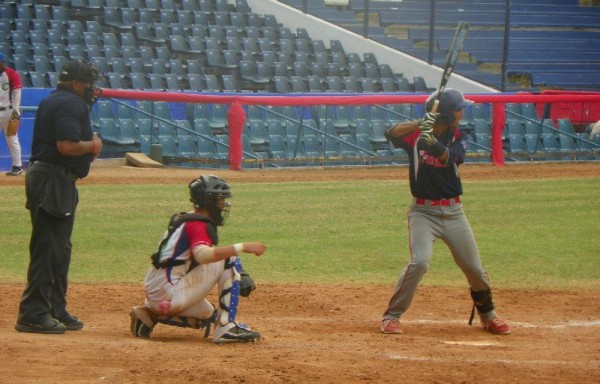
{"points": [[337, 242]]}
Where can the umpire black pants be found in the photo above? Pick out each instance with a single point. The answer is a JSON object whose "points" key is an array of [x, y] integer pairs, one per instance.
{"points": [[52, 199]]}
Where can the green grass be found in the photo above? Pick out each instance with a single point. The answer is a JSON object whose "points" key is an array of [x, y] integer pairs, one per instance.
{"points": [[531, 234]]}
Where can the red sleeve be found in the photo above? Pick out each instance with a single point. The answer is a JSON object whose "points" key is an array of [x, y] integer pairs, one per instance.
{"points": [[197, 234], [13, 78]]}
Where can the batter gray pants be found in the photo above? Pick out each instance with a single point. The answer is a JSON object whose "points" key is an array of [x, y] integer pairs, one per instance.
{"points": [[427, 223]]}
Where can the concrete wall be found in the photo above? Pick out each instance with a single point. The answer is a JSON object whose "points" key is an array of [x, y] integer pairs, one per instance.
{"points": [[398, 61]]}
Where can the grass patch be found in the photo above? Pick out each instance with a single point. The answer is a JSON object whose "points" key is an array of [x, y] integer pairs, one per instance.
{"points": [[533, 234]]}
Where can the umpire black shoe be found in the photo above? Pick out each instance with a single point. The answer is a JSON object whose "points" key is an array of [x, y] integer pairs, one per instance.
{"points": [[47, 325], [71, 323]]}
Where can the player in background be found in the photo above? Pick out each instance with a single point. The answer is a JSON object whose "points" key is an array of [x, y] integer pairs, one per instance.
{"points": [[188, 264], [10, 104], [435, 149]]}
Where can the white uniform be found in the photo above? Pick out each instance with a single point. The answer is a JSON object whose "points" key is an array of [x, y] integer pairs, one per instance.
{"points": [[177, 291], [10, 99]]}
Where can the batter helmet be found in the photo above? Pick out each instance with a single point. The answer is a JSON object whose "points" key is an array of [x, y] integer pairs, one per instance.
{"points": [[451, 100], [205, 193]]}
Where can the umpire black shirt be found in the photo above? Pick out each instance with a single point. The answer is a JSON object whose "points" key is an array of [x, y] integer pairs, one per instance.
{"points": [[62, 115]]}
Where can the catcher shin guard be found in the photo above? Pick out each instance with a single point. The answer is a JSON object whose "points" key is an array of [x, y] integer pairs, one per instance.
{"points": [[229, 284], [227, 330], [482, 300]]}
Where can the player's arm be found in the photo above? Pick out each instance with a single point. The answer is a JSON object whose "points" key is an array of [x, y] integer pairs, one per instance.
{"points": [[78, 148], [205, 254], [402, 129]]}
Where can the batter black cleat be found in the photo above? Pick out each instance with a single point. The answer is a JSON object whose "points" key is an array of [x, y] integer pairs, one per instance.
{"points": [[142, 321], [235, 332]]}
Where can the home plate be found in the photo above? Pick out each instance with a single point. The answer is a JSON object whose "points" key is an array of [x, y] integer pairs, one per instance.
{"points": [[474, 343]]}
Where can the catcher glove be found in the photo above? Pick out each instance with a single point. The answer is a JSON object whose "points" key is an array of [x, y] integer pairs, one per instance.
{"points": [[246, 284], [13, 124]]}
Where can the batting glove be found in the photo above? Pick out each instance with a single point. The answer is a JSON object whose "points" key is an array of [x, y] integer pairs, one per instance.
{"points": [[426, 122], [428, 138]]}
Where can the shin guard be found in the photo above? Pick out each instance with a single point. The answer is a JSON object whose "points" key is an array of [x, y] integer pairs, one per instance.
{"points": [[482, 300], [229, 287]]}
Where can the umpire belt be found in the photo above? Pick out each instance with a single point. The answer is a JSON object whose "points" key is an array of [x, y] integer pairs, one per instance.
{"points": [[436, 203], [56, 168]]}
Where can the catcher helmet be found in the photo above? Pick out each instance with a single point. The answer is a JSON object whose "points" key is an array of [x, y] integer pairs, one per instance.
{"points": [[451, 100], [208, 192]]}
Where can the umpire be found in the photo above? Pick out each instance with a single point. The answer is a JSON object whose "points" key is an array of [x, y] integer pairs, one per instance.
{"points": [[63, 146]]}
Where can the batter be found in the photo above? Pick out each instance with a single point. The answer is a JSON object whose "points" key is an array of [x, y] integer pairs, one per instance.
{"points": [[435, 149]]}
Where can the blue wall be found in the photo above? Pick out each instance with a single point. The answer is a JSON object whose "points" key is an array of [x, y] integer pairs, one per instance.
{"points": [[31, 98]]}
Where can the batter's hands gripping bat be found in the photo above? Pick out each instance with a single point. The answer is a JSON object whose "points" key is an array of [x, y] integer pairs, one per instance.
{"points": [[451, 58]]}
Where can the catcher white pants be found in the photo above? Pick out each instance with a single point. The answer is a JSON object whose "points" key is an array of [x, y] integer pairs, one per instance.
{"points": [[11, 141], [188, 291]]}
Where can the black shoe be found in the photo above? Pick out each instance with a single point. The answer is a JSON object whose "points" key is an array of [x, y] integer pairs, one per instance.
{"points": [[71, 322], [47, 325], [15, 171], [235, 332]]}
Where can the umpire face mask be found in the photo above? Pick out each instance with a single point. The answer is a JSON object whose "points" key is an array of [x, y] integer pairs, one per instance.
{"points": [[83, 75]]}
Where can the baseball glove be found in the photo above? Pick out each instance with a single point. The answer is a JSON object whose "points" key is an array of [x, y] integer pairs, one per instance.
{"points": [[246, 284], [13, 125]]}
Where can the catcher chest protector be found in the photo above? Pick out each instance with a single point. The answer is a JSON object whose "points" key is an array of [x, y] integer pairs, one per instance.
{"points": [[176, 220]]}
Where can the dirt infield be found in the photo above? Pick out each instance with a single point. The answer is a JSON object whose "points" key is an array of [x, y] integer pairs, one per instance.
{"points": [[317, 334]]}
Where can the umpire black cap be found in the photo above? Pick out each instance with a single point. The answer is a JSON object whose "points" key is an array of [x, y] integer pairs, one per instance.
{"points": [[77, 70]]}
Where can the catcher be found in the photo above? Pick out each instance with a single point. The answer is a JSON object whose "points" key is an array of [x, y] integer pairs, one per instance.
{"points": [[10, 113], [436, 148], [188, 264]]}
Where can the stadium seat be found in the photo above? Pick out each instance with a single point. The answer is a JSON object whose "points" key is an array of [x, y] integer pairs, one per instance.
{"points": [[139, 81], [157, 81], [38, 79], [514, 126], [128, 132], [169, 146], [517, 143], [230, 84], [109, 131]]}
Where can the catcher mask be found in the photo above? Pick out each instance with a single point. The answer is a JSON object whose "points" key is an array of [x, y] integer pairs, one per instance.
{"points": [[210, 193]]}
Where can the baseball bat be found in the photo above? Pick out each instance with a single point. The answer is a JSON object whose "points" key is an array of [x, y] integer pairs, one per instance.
{"points": [[451, 58]]}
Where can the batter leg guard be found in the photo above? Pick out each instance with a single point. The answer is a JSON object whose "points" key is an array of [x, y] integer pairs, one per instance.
{"points": [[143, 321], [482, 300]]}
